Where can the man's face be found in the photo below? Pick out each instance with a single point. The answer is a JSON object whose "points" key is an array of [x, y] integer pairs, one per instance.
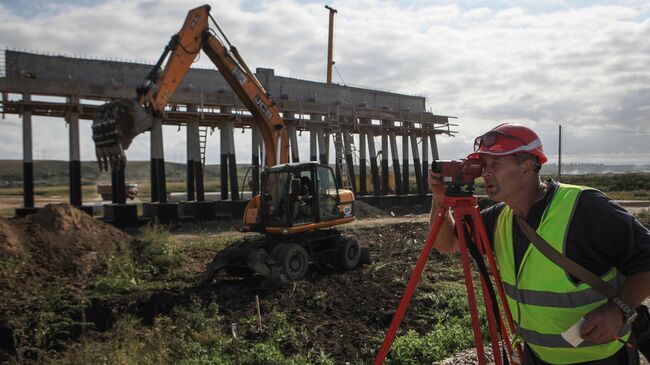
{"points": [[503, 177]]}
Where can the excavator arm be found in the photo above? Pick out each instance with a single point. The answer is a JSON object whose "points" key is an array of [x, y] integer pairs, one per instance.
{"points": [[116, 124]]}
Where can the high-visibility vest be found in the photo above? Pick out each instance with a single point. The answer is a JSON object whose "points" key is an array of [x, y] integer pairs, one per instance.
{"points": [[542, 298]]}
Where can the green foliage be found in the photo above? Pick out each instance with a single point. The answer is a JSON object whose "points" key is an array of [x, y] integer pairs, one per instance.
{"points": [[135, 266], [155, 251], [10, 270], [631, 182], [191, 335], [451, 328], [50, 314]]}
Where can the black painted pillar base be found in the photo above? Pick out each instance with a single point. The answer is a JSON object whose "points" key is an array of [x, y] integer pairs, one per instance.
{"points": [[121, 215], [161, 212], [25, 211], [203, 211], [234, 208]]}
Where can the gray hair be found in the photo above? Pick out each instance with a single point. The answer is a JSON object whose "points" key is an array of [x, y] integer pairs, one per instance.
{"points": [[523, 156]]}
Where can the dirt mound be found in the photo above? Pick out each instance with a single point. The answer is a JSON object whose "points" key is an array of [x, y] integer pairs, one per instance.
{"points": [[365, 210], [57, 241]]}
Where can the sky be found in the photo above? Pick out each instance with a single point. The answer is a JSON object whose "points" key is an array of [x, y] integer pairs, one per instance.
{"points": [[584, 65]]}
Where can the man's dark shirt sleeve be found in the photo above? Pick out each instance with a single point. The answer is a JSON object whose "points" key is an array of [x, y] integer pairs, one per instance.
{"points": [[603, 234]]}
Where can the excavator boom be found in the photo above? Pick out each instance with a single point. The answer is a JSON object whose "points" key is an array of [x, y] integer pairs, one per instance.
{"points": [[116, 124]]}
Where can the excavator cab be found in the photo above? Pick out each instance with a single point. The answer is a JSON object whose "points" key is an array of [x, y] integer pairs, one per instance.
{"points": [[300, 194], [297, 201]]}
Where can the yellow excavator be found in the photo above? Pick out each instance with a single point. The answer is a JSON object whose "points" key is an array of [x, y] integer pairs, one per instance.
{"points": [[299, 203]]}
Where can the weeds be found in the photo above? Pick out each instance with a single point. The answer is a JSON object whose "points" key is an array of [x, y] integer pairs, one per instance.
{"points": [[10, 270], [137, 266], [448, 311], [51, 313], [192, 335]]}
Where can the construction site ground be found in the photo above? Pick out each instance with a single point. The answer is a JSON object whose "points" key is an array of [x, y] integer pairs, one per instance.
{"points": [[342, 314]]}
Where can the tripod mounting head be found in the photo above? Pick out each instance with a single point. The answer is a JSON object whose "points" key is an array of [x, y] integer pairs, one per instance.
{"points": [[458, 174]]}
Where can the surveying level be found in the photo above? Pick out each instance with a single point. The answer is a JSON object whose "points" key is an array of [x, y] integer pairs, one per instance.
{"points": [[473, 239]]}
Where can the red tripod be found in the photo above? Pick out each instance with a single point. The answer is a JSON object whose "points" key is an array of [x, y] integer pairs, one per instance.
{"points": [[469, 225]]}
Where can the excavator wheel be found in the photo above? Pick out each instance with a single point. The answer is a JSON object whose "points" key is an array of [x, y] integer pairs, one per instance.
{"points": [[293, 260], [347, 252]]}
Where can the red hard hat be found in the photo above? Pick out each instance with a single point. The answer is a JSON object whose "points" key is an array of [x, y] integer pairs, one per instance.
{"points": [[507, 139]]}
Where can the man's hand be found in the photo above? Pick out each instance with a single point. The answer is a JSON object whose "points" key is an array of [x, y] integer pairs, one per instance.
{"points": [[435, 184], [602, 324]]}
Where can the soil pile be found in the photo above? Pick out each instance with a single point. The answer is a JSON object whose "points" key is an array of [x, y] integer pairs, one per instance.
{"points": [[59, 241], [365, 210]]}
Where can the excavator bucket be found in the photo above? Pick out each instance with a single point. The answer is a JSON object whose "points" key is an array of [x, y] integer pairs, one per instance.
{"points": [[115, 124]]}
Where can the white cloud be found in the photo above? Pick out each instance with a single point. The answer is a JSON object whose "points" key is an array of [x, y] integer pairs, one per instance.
{"points": [[537, 63]]}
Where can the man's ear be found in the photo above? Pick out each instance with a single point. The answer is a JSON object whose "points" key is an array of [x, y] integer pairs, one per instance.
{"points": [[528, 167]]}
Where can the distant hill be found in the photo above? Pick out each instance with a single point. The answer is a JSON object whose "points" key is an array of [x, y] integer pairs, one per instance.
{"points": [[52, 172], [592, 168], [48, 173]]}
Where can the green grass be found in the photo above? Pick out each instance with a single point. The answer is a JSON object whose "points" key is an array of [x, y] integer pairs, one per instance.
{"points": [[194, 334], [146, 264], [52, 312], [446, 309]]}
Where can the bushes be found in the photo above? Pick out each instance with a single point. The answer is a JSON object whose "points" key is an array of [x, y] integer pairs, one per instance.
{"points": [[50, 314], [134, 266], [611, 182]]}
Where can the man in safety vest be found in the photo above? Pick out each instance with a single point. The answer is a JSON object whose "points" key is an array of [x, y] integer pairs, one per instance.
{"points": [[580, 222]]}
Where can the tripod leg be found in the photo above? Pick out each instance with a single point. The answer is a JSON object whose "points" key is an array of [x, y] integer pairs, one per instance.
{"points": [[410, 287], [483, 241], [469, 285]]}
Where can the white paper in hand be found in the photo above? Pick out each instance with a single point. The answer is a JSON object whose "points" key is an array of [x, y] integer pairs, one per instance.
{"points": [[572, 335]]}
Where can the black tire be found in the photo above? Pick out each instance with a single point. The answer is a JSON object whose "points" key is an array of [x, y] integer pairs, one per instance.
{"points": [[348, 253], [293, 260]]}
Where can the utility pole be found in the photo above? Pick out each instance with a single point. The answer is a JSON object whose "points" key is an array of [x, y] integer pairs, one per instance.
{"points": [[559, 154], [330, 44]]}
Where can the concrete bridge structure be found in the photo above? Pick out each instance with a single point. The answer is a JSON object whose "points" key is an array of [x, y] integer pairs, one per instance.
{"points": [[204, 100]]}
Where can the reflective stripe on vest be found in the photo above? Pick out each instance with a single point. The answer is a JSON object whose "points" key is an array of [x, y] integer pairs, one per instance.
{"points": [[542, 298]]}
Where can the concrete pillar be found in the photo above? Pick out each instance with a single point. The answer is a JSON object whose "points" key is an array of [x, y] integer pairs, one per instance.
{"points": [[117, 185], [434, 148], [374, 171], [75, 156], [255, 171], [396, 169], [405, 163], [362, 163], [313, 144], [28, 161], [293, 141], [384, 162], [224, 146], [158, 179], [416, 164], [425, 160], [232, 161], [322, 147], [349, 160], [192, 132], [326, 137]]}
